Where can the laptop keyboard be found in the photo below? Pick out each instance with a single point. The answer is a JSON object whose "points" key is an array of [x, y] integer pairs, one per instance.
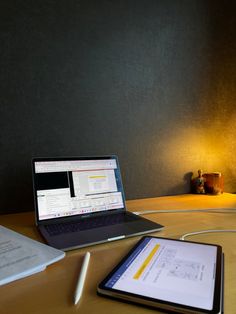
{"points": [[89, 223]]}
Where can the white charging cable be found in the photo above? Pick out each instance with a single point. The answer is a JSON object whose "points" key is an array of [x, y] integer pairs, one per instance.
{"points": [[146, 212], [205, 231]]}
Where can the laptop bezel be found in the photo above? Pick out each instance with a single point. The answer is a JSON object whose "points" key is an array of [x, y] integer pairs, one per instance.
{"points": [[78, 216]]}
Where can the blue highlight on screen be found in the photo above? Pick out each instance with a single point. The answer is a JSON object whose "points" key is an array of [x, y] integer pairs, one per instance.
{"points": [[120, 271]]}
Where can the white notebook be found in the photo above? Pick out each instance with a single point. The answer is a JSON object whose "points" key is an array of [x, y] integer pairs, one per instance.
{"points": [[21, 256]]}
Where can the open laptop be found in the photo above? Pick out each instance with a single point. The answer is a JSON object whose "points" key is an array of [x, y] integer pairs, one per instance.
{"points": [[79, 201]]}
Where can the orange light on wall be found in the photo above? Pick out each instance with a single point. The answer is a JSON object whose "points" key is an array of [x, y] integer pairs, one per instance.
{"points": [[190, 149]]}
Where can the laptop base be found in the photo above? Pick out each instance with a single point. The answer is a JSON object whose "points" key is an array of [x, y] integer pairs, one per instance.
{"points": [[79, 239]]}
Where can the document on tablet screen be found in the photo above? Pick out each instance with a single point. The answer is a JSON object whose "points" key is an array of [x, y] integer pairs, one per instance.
{"points": [[173, 271]]}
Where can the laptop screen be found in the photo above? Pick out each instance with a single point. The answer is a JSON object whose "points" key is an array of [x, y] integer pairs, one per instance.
{"points": [[68, 187]]}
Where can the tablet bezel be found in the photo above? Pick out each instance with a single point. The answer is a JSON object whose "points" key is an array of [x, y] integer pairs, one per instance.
{"points": [[162, 304]]}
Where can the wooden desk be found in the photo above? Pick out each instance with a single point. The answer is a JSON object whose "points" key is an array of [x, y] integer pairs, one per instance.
{"points": [[52, 290]]}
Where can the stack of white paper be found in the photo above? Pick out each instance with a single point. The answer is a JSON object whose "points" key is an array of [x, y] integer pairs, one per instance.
{"points": [[21, 256]]}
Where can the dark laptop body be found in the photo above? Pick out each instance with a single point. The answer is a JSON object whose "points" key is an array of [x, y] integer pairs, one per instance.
{"points": [[79, 201]]}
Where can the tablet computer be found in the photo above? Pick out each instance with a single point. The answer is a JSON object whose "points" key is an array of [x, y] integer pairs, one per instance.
{"points": [[173, 275]]}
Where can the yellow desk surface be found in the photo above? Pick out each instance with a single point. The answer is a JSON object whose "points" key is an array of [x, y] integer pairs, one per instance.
{"points": [[52, 290]]}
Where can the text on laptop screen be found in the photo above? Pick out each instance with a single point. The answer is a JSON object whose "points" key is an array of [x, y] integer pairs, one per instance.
{"points": [[72, 187]]}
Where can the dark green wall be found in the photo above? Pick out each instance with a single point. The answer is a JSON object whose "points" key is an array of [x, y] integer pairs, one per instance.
{"points": [[151, 81]]}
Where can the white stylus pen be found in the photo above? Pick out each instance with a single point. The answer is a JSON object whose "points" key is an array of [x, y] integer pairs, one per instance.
{"points": [[81, 279]]}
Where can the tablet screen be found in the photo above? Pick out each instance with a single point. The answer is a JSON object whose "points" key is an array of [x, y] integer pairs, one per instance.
{"points": [[169, 270]]}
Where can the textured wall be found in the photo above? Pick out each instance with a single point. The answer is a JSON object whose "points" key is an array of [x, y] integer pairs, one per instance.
{"points": [[151, 81]]}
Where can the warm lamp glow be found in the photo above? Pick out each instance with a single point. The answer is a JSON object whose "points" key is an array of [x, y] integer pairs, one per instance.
{"points": [[193, 149], [211, 146]]}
